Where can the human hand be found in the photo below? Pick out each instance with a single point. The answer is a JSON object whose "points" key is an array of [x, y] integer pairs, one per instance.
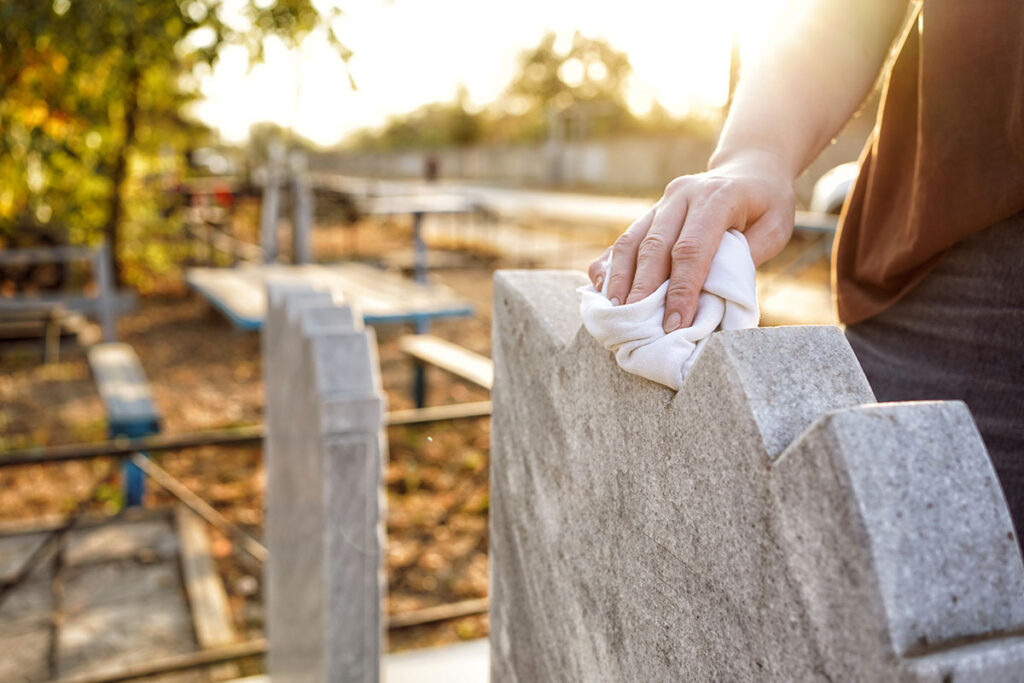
{"points": [[677, 239]]}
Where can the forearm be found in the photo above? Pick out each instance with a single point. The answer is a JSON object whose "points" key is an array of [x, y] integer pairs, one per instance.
{"points": [[808, 81], [789, 104]]}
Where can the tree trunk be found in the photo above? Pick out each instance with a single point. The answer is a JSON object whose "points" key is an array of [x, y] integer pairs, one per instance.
{"points": [[112, 230]]}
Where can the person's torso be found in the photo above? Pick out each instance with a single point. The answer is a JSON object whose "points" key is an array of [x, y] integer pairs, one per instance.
{"points": [[947, 156]]}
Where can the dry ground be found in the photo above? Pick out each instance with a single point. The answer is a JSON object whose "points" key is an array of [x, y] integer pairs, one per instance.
{"points": [[205, 374]]}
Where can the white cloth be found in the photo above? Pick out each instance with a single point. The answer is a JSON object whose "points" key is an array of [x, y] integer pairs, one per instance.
{"points": [[634, 332]]}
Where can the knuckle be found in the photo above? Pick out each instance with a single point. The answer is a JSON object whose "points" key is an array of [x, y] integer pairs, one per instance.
{"points": [[617, 281], [623, 242], [677, 184], [640, 290], [687, 248], [654, 244], [616, 278], [681, 290]]}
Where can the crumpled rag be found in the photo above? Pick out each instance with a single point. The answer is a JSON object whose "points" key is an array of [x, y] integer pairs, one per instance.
{"points": [[634, 333]]}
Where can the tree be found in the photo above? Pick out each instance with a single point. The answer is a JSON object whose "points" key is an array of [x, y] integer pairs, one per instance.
{"points": [[584, 87], [438, 124], [578, 93], [89, 85], [582, 90]]}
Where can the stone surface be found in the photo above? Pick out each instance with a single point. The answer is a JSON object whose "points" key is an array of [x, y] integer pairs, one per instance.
{"points": [[121, 613], [26, 653], [120, 598], [107, 595], [143, 540], [766, 522], [25, 617], [324, 455], [16, 550]]}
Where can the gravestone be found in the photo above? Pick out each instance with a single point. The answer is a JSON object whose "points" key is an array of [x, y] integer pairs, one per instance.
{"points": [[768, 522], [303, 208], [302, 219], [324, 458], [270, 203]]}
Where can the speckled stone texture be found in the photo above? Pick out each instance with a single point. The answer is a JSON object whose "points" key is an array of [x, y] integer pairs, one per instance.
{"points": [[768, 522], [324, 517]]}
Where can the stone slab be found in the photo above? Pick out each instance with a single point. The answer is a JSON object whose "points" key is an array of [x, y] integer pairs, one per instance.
{"points": [[145, 540], [324, 515], [16, 550], [25, 653], [117, 600], [31, 602], [903, 497], [989, 661], [121, 613], [768, 522], [26, 628]]}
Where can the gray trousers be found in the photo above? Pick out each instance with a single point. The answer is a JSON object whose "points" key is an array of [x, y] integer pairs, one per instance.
{"points": [[960, 335]]}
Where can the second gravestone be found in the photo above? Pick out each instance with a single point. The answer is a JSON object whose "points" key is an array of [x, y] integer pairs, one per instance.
{"points": [[324, 519]]}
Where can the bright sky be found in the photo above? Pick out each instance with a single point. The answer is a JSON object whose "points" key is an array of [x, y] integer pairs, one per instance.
{"points": [[410, 52]]}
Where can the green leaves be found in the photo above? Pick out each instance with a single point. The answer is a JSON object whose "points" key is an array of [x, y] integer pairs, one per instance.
{"points": [[93, 87]]}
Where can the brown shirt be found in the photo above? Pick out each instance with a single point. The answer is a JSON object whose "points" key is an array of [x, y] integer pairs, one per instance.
{"points": [[946, 158]]}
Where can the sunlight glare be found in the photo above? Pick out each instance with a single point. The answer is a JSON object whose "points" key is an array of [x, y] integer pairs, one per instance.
{"points": [[407, 53]]}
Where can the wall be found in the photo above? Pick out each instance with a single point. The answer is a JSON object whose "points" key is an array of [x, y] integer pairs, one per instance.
{"points": [[627, 165]]}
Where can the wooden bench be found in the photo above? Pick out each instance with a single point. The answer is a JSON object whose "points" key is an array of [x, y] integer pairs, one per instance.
{"points": [[430, 350], [128, 402], [104, 305]]}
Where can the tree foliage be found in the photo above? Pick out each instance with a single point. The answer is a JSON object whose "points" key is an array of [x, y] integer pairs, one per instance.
{"points": [[92, 97], [576, 93], [591, 72], [438, 124]]}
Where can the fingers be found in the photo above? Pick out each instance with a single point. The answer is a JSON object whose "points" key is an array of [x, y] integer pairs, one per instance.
{"points": [[654, 255], [596, 270], [691, 256], [678, 238], [624, 255]]}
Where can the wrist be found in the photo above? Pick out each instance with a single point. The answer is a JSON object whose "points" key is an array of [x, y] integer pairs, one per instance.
{"points": [[766, 161]]}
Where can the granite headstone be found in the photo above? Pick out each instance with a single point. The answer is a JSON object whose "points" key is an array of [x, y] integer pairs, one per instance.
{"points": [[768, 522], [324, 504]]}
